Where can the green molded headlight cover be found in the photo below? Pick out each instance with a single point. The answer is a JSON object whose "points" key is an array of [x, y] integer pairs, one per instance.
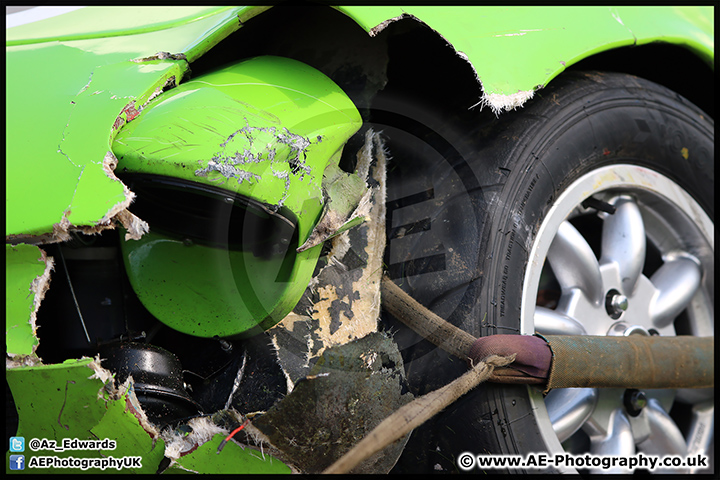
{"points": [[259, 135]]}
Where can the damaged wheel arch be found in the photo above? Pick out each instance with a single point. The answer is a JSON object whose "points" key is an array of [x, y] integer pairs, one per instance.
{"points": [[263, 131]]}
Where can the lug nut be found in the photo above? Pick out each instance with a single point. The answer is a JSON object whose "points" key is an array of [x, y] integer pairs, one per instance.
{"points": [[616, 304], [635, 401]]}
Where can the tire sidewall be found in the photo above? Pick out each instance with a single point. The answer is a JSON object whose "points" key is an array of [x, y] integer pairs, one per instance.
{"points": [[513, 168], [585, 122]]}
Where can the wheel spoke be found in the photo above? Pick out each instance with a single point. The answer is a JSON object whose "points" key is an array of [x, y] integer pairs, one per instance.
{"points": [[552, 322], [623, 242], [665, 436], [694, 395], [574, 264], [618, 441], [676, 280], [701, 429], [569, 409]]}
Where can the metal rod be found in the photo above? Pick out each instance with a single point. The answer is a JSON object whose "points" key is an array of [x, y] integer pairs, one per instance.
{"points": [[236, 382], [634, 361], [576, 360], [72, 290]]}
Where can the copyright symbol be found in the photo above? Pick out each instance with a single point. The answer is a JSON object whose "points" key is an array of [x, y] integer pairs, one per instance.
{"points": [[34, 444], [466, 461]]}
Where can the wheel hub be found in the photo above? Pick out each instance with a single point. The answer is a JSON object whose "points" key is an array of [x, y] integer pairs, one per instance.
{"points": [[617, 294]]}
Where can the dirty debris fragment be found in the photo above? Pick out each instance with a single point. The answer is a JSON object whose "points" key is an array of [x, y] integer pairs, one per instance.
{"points": [[350, 389], [342, 302], [415, 413], [348, 198], [161, 56], [336, 363]]}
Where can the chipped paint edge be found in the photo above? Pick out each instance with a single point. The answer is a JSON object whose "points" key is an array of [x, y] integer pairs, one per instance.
{"points": [[371, 207], [135, 226], [119, 212], [178, 445], [497, 102], [383, 25], [38, 287]]}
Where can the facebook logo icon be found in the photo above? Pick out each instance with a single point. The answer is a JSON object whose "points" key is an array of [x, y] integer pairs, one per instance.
{"points": [[17, 462]]}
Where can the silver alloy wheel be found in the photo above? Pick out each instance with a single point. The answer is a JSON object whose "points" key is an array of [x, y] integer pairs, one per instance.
{"points": [[619, 293]]}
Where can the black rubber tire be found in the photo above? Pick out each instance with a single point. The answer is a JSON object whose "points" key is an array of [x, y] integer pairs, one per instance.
{"points": [[465, 203]]}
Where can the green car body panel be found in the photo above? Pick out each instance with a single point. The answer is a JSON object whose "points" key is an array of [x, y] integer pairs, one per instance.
{"points": [[88, 82], [516, 50], [264, 129], [27, 272], [87, 407]]}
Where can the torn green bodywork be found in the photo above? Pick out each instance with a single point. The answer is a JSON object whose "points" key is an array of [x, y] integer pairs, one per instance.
{"points": [[513, 51], [27, 272], [74, 81], [516, 50], [79, 402], [70, 135], [76, 404], [64, 124]]}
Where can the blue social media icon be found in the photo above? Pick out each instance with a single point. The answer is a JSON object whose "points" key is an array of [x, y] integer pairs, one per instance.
{"points": [[17, 462], [17, 444]]}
